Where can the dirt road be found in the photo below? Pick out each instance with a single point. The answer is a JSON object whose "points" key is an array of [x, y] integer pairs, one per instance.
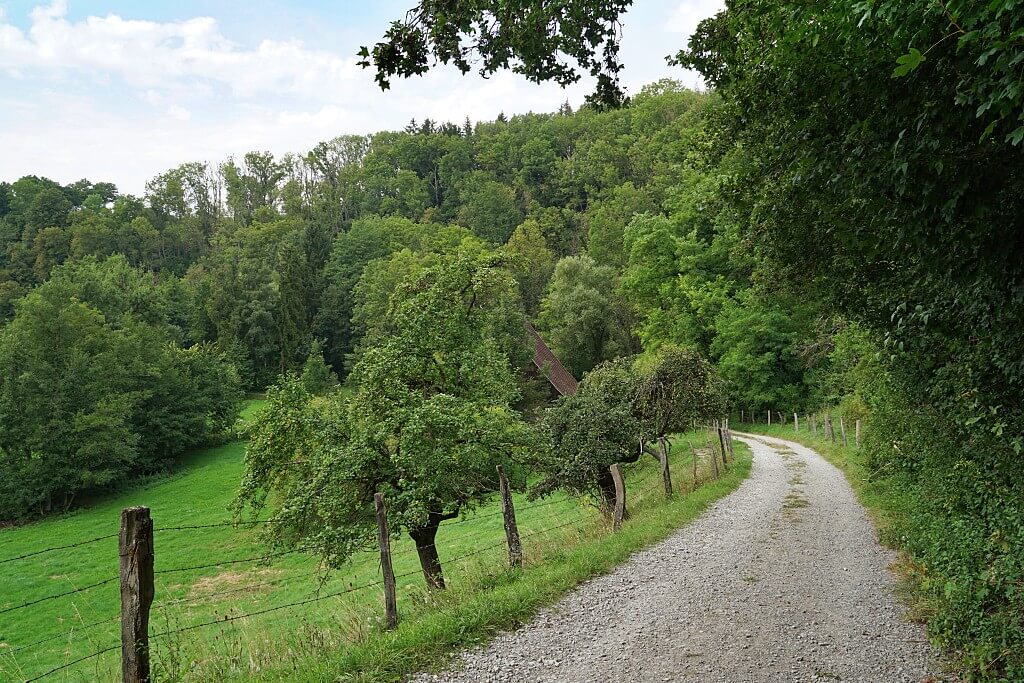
{"points": [[782, 580]]}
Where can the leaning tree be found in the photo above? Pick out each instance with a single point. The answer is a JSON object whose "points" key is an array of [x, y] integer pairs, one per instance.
{"points": [[430, 420], [677, 389], [590, 431]]}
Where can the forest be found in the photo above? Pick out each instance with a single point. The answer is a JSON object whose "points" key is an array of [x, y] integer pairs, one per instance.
{"points": [[835, 223]]}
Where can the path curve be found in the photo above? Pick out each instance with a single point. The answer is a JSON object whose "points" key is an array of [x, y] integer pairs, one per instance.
{"points": [[782, 580]]}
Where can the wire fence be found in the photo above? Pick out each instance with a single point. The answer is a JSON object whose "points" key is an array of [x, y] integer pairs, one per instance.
{"points": [[535, 519]]}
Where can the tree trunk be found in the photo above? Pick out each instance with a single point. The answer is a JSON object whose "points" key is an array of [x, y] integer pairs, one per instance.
{"points": [[607, 487], [426, 548]]}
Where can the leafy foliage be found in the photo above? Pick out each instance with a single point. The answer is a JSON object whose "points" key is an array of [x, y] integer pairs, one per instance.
{"points": [[93, 389], [530, 37], [429, 422]]}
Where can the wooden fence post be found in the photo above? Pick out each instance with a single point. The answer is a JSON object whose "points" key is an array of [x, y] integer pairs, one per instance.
{"points": [[769, 417], [135, 547], [796, 422], [384, 539], [693, 451], [666, 475], [842, 428], [721, 440], [620, 497], [741, 415], [714, 457], [515, 546], [814, 423], [856, 434]]}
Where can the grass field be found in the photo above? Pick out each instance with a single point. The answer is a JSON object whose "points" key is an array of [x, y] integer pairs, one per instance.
{"points": [[325, 637]]}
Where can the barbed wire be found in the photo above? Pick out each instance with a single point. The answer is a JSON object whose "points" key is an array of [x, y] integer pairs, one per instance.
{"points": [[73, 662], [58, 547], [260, 558], [60, 595], [236, 524], [66, 634]]}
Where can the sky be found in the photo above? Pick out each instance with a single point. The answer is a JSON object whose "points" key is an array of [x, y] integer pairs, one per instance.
{"points": [[120, 91]]}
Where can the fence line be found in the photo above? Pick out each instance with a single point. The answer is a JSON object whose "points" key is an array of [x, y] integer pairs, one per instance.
{"points": [[260, 558], [57, 636], [544, 521], [58, 547], [60, 595], [73, 662]]}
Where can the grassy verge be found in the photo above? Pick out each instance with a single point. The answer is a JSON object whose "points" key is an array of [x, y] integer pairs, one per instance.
{"points": [[326, 638]]}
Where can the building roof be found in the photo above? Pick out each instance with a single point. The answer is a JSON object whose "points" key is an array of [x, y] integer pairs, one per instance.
{"points": [[549, 365]]}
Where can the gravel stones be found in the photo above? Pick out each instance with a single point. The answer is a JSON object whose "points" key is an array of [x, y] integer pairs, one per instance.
{"points": [[782, 580]]}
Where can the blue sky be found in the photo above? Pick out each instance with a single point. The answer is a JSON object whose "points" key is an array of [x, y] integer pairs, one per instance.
{"points": [[120, 91]]}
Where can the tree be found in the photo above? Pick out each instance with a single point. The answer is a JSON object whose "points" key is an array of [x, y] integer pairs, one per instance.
{"points": [[532, 263], [607, 222], [430, 420], [317, 377], [589, 432], [678, 389], [586, 321], [532, 38], [488, 208]]}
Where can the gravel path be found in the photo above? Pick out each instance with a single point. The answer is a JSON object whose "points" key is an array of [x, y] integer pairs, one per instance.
{"points": [[782, 580]]}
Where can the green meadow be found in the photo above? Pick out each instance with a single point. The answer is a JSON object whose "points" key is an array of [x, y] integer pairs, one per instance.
{"points": [[306, 624]]}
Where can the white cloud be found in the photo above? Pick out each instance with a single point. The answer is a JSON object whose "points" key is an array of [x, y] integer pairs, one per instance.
{"points": [[687, 14], [158, 55], [121, 100]]}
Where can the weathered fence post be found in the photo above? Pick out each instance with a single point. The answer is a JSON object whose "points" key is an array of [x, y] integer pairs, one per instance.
{"points": [[842, 428], [856, 434], [814, 423], [384, 539], [714, 457], [741, 415], [769, 417], [666, 475], [796, 422], [620, 497], [135, 547], [830, 432], [515, 546], [693, 451], [721, 440]]}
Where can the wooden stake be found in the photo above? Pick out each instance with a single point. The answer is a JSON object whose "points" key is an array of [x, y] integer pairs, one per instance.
{"points": [[666, 475], [842, 428], [694, 452], [769, 417], [384, 539], [714, 458], [135, 547], [721, 440], [515, 545], [856, 434], [620, 497], [796, 422], [814, 423]]}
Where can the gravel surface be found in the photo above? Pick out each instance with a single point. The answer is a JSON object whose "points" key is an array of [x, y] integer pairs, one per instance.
{"points": [[782, 580]]}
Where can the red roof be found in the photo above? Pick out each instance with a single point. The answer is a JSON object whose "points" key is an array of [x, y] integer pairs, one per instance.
{"points": [[549, 365]]}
